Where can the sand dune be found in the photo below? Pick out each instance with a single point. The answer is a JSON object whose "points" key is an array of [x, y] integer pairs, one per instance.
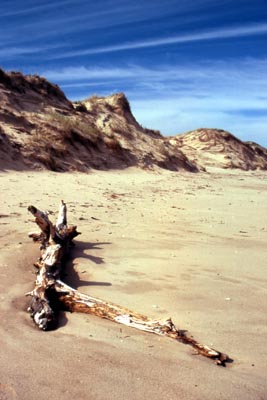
{"points": [[216, 148], [41, 129], [188, 246]]}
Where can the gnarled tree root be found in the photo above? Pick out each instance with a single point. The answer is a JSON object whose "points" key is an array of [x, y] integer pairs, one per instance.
{"points": [[51, 294]]}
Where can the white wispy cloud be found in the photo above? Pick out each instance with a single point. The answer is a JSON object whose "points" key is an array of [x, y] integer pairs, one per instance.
{"points": [[81, 16], [31, 10], [83, 85], [200, 79], [222, 33], [87, 18], [16, 51], [84, 73]]}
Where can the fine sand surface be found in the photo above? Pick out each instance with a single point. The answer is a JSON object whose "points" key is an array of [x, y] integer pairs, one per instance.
{"points": [[189, 246]]}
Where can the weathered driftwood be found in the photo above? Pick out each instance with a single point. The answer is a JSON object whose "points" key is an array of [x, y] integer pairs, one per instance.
{"points": [[55, 243], [51, 294]]}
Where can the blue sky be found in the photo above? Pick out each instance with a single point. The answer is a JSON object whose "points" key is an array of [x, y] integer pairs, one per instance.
{"points": [[182, 64]]}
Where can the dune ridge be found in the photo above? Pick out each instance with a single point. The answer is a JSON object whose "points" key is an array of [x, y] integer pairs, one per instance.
{"points": [[41, 129]]}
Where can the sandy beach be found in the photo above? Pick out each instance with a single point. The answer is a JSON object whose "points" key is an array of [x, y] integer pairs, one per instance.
{"points": [[189, 246]]}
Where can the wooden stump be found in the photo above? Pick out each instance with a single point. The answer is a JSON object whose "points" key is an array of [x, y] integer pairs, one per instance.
{"points": [[51, 294]]}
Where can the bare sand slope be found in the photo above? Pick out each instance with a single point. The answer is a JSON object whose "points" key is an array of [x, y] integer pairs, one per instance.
{"points": [[188, 246]]}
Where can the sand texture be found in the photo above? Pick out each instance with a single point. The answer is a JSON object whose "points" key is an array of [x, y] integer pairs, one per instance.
{"points": [[189, 246]]}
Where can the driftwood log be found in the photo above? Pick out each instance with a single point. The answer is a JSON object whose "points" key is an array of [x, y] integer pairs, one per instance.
{"points": [[51, 294]]}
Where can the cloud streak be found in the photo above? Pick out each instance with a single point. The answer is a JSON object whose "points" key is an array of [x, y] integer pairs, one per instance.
{"points": [[215, 34], [201, 78], [12, 52], [36, 9], [86, 17]]}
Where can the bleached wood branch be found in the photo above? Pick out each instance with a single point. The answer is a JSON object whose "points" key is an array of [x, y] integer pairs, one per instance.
{"points": [[73, 300], [62, 216]]}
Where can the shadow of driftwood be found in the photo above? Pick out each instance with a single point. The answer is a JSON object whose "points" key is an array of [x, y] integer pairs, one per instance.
{"points": [[80, 251], [71, 276], [62, 319]]}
